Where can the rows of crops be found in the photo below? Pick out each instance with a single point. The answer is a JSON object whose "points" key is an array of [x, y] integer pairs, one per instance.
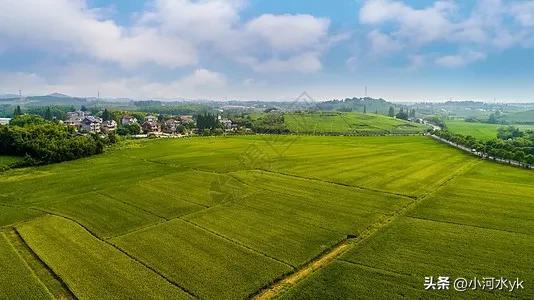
{"points": [[471, 228], [348, 123], [221, 218]]}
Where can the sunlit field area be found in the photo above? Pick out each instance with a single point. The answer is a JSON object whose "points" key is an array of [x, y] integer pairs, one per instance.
{"points": [[481, 131], [231, 217], [349, 123]]}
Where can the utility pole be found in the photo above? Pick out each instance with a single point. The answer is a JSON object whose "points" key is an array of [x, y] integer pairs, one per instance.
{"points": [[365, 91]]}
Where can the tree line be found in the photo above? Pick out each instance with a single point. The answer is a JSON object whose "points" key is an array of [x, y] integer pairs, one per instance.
{"points": [[510, 145], [42, 142]]}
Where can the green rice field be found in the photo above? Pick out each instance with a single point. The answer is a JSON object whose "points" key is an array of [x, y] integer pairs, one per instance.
{"points": [[233, 217], [481, 131], [348, 123]]}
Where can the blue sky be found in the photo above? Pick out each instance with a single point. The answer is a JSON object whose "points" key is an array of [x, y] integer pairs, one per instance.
{"points": [[269, 50]]}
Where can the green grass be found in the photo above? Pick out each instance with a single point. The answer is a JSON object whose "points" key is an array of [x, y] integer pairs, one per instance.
{"points": [[17, 280], [205, 263], [222, 217], [481, 131], [6, 160], [91, 268], [347, 123]]}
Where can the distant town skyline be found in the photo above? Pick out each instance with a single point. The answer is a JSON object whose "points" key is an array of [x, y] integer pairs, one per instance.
{"points": [[409, 51]]}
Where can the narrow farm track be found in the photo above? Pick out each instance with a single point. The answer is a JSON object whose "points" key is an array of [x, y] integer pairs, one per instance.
{"points": [[329, 256], [46, 275]]}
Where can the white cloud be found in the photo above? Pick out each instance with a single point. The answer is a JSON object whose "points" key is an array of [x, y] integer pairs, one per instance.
{"points": [[460, 59], [169, 33], [395, 26], [70, 26], [304, 63], [289, 32], [381, 43], [523, 12]]}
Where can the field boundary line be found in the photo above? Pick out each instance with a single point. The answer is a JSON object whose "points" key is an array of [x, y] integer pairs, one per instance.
{"points": [[326, 258], [64, 286], [469, 225], [130, 204], [358, 187], [303, 219], [238, 243], [125, 253]]}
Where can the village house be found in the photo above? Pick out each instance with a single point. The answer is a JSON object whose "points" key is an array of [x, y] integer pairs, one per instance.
{"points": [[75, 118], [109, 126], [91, 124], [151, 118], [170, 126], [76, 114], [128, 120], [186, 119], [74, 121], [227, 124], [150, 126]]}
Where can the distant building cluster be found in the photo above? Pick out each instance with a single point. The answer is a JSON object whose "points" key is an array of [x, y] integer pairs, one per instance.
{"points": [[84, 122]]}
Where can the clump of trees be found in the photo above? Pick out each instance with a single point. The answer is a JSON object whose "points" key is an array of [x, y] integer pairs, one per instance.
{"points": [[510, 146], [207, 122], [272, 123], [129, 129], [42, 142]]}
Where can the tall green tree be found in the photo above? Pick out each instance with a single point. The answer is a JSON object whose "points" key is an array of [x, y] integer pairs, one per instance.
{"points": [[391, 112], [106, 115], [48, 114], [17, 111]]}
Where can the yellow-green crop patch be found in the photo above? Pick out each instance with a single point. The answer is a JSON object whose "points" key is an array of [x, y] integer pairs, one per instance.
{"points": [[222, 217], [200, 261], [347, 123], [93, 269], [11, 215], [104, 216], [17, 280], [412, 249]]}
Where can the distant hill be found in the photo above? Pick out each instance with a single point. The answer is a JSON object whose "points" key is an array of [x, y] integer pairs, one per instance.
{"points": [[8, 96], [52, 99], [59, 95]]}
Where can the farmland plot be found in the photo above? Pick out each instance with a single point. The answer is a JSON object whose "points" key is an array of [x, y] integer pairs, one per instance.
{"points": [[202, 262], [91, 268], [470, 228], [17, 280], [223, 217]]}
